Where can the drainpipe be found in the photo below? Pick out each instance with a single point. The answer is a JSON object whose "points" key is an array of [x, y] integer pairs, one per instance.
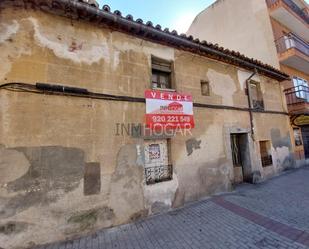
{"points": [[249, 102]]}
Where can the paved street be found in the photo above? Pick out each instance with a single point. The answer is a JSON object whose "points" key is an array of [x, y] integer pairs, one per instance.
{"points": [[274, 214]]}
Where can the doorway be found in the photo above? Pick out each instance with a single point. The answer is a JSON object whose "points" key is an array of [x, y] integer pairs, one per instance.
{"points": [[305, 136], [241, 157]]}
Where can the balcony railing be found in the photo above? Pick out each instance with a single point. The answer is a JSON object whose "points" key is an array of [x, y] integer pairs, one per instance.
{"points": [[297, 95], [293, 6], [292, 41]]}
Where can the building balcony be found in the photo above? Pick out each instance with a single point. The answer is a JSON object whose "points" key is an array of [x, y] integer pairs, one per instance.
{"points": [[293, 52], [297, 99], [290, 15]]}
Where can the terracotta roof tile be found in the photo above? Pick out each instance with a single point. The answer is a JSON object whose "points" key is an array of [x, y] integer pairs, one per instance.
{"points": [[78, 9]]}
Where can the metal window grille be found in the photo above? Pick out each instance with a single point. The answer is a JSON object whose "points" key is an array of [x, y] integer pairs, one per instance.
{"points": [[158, 174], [267, 160], [236, 155]]}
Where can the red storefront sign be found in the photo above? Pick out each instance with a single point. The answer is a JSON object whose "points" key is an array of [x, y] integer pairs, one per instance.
{"points": [[168, 110]]}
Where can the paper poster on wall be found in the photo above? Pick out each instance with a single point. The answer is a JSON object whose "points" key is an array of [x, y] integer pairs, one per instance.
{"points": [[169, 110]]}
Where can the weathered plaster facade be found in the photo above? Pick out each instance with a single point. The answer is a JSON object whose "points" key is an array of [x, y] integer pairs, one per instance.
{"points": [[246, 27], [63, 169], [258, 37]]}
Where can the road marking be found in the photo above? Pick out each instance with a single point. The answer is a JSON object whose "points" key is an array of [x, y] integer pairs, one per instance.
{"points": [[284, 230]]}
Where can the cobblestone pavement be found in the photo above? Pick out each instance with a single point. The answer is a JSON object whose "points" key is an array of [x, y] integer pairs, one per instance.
{"points": [[285, 199], [274, 214]]}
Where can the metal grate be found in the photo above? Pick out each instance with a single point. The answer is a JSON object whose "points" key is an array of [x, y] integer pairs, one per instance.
{"points": [[267, 160], [236, 155], [158, 174]]}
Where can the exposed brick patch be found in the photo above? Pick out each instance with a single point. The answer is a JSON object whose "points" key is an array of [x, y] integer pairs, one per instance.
{"points": [[289, 232]]}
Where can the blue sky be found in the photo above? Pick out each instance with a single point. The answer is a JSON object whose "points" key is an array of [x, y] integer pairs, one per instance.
{"points": [[174, 14]]}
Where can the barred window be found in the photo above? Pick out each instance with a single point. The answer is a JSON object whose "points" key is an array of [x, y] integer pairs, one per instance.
{"points": [[157, 161]]}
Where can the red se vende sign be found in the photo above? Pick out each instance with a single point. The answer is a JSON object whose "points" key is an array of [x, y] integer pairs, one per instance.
{"points": [[168, 110]]}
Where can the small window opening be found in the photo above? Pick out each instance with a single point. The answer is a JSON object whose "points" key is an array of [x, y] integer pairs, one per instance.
{"points": [[205, 88], [256, 95], [161, 73], [265, 150]]}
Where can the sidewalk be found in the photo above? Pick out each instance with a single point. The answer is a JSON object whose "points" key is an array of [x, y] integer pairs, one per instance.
{"points": [[274, 214]]}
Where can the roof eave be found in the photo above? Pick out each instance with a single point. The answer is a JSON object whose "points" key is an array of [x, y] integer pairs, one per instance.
{"points": [[75, 9]]}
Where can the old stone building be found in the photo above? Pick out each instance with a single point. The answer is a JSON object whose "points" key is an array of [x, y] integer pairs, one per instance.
{"points": [[72, 76]]}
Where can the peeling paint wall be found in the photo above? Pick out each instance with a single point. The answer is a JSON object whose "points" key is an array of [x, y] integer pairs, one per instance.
{"points": [[223, 82], [83, 47], [64, 171], [8, 31], [160, 197], [279, 136]]}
